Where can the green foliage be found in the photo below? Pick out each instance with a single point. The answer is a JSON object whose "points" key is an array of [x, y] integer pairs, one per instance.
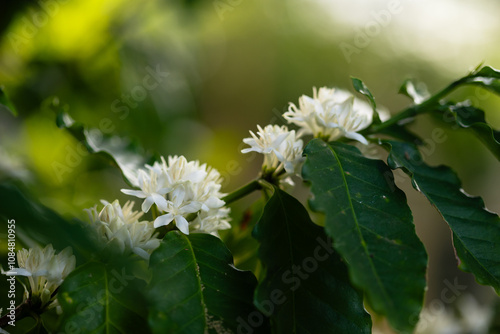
{"points": [[313, 276], [472, 118], [121, 151], [304, 277], [196, 289], [102, 298], [371, 226], [476, 231]]}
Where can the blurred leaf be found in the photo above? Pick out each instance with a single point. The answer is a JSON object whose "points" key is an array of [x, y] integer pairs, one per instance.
{"points": [[476, 231], [418, 93], [371, 226], [360, 87], [38, 223], [122, 151], [5, 103], [195, 288], [100, 298], [487, 77], [306, 288], [472, 118]]}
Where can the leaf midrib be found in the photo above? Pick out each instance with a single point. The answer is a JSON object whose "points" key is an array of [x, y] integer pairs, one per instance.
{"points": [[363, 242]]}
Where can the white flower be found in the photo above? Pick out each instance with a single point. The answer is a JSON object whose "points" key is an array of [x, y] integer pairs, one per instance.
{"points": [[281, 147], [180, 189], [176, 210], [45, 271], [120, 228], [153, 188], [331, 114]]}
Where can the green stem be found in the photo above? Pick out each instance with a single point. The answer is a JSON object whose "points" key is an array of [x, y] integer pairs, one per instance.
{"points": [[242, 192], [412, 111]]}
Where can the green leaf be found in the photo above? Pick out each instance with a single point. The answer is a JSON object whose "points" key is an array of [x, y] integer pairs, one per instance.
{"points": [[476, 231], [196, 289], [306, 288], [469, 117], [371, 226], [100, 298], [35, 222], [418, 93], [487, 77], [360, 87], [121, 151], [5, 103]]}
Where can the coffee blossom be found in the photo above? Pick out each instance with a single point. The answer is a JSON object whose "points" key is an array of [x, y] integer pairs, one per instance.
{"points": [[186, 193], [331, 114], [119, 227], [281, 148], [45, 271]]}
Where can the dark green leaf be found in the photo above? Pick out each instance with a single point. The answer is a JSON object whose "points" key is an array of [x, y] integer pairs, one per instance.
{"points": [[123, 152], [6, 104], [360, 87], [100, 298], [418, 93], [371, 226], [306, 287], [476, 231], [487, 77], [39, 223], [196, 289], [472, 118]]}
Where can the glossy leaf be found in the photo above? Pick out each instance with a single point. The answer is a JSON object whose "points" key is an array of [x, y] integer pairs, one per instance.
{"points": [[469, 117], [487, 77], [476, 231], [306, 288], [361, 88], [417, 92], [6, 104], [99, 298], [196, 289], [123, 152], [371, 226]]}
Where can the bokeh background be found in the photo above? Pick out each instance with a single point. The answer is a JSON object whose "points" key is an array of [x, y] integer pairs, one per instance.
{"points": [[222, 67]]}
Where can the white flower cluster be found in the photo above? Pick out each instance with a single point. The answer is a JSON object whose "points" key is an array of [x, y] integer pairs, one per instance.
{"points": [[281, 148], [45, 271], [120, 228], [331, 114], [181, 190]]}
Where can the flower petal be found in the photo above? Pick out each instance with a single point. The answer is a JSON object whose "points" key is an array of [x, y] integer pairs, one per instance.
{"points": [[136, 193], [182, 224], [163, 220]]}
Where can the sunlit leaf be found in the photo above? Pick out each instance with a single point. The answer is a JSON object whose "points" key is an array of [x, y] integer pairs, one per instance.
{"points": [[306, 288], [487, 77], [100, 298], [476, 231], [196, 289], [122, 151], [360, 87], [371, 226], [418, 93]]}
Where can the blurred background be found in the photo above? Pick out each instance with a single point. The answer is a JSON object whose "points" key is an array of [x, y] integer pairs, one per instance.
{"points": [[193, 77]]}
